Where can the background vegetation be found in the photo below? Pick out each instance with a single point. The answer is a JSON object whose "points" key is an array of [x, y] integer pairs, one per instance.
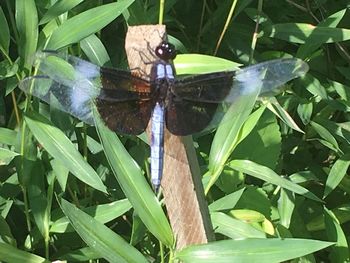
{"points": [[286, 177]]}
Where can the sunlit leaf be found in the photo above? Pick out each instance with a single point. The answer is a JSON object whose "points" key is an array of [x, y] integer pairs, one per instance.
{"points": [[251, 250], [82, 25], [60, 147], [100, 238]]}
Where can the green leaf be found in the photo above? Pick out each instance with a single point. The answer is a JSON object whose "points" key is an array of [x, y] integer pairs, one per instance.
{"points": [[276, 108], [249, 197], [227, 135], [337, 173], [326, 135], [234, 228], [286, 205], [341, 89], [300, 33], [265, 138], [268, 175], [102, 213], [305, 109], [100, 238], [38, 200], [7, 69], [340, 251], [7, 136], [200, 64], [95, 50], [59, 8], [226, 202], [11, 254], [344, 71], [6, 156], [61, 148], [80, 255], [81, 26], [342, 213], [313, 42], [61, 172], [27, 26], [251, 250], [134, 185], [4, 33], [314, 86]]}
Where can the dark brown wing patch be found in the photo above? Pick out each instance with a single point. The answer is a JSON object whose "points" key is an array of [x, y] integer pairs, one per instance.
{"points": [[125, 102], [128, 117], [185, 117]]}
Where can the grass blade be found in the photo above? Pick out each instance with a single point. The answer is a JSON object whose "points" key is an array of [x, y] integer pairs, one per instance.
{"points": [[27, 26], [300, 33], [4, 32], [9, 253], [100, 238], [81, 26], [268, 175], [59, 8], [61, 148], [251, 250]]}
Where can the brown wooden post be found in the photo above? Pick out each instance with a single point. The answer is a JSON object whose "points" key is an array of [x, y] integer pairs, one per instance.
{"points": [[181, 185]]}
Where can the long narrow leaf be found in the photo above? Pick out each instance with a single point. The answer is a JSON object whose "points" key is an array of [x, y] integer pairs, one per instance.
{"points": [[227, 137], [100, 238], [95, 50], [9, 253], [340, 252], [268, 175], [299, 33], [337, 173], [251, 250], [6, 156], [81, 26], [27, 26], [102, 213], [61, 148], [4, 32], [234, 228], [58, 8]]}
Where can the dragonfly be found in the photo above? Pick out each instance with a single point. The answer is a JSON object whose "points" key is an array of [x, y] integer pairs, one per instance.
{"points": [[127, 102]]}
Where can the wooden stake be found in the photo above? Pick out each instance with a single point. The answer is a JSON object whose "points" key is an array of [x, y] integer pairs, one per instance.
{"points": [[181, 184]]}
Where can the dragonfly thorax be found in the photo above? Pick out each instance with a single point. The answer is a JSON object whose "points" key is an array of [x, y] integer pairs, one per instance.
{"points": [[163, 72], [162, 76]]}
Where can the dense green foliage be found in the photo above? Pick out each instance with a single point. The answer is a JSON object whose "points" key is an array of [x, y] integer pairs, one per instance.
{"points": [[280, 192]]}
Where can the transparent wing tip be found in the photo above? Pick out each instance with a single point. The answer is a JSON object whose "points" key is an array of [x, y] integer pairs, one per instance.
{"points": [[301, 67], [40, 56]]}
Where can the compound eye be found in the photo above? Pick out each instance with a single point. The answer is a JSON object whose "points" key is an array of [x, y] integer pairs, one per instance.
{"points": [[171, 51], [159, 51]]}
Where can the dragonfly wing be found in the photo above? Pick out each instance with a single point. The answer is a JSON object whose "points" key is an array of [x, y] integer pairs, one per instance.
{"points": [[71, 99], [268, 76], [126, 117], [225, 86], [221, 90], [74, 85], [125, 102], [184, 117]]}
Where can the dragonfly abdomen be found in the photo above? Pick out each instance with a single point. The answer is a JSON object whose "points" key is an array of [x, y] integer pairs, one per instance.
{"points": [[157, 145]]}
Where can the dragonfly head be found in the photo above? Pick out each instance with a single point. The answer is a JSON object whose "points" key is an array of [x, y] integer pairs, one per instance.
{"points": [[165, 51]]}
